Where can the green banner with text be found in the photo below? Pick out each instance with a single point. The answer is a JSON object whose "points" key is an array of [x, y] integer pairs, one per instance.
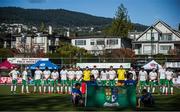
{"points": [[106, 96]]}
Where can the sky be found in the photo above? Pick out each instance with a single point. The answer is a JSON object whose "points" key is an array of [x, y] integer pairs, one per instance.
{"points": [[140, 11]]}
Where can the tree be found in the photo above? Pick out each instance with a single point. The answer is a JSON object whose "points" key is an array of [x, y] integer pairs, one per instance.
{"points": [[121, 24], [42, 27]]}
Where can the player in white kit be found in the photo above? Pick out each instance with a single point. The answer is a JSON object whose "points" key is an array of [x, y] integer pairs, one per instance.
{"points": [[24, 81], [162, 79], [71, 79], [103, 77], [64, 83], [46, 78], [152, 80], [14, 75], [37, 79], [142, 79], [78, 75], [54, 81], [112, 76], [168, 82], [133, 73], [95, 72]]}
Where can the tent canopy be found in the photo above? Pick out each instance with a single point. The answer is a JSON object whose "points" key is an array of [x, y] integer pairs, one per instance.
{"points": [[6, 65], [151, 65], [43, 65]]}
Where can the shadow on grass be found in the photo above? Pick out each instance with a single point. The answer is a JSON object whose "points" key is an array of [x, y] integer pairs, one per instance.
{"points": [[43, 103]]}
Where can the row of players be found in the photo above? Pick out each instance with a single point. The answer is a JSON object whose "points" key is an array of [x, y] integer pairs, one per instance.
{"points": [[108, 77]]}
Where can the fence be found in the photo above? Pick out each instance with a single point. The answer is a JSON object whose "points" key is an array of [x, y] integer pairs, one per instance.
{"points": [[134, 61]]}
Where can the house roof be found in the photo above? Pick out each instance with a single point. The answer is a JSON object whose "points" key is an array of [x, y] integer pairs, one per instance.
{"points": [[148, 29], [166, 25]]}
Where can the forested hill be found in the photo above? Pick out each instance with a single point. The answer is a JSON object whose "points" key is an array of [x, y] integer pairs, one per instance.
{"points": [[54, 17]]}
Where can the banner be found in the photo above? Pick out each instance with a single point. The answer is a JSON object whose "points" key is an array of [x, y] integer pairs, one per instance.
{"points": [[173, 64], [106, 96], [27, 61], [103, 65]]}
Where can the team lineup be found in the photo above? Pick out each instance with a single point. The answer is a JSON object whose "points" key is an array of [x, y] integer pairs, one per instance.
{"points": [[53, 81]]}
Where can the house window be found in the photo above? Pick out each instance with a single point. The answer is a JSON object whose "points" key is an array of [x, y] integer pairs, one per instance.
{"points": [[112, 42], [147, 49], [166, 37], [80, 42], [165, 47], [100, 42], [92, 43]]}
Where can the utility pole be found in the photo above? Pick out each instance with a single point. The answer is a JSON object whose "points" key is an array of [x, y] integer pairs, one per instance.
{"points": [[151, 42]]}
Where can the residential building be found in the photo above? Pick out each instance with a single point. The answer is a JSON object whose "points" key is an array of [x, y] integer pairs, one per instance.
{"points": [[159, 38], [97, 44], [31, 44]]}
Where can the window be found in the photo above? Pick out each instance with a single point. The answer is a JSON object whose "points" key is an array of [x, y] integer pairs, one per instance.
{"points": [[100, 42], [92, 43], [165, 47], [80, 42], [166, 37], [112, 42], [147, 49]]}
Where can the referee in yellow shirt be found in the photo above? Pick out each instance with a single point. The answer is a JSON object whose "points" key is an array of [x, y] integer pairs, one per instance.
{"points": [[121, 74], [86, 74]]}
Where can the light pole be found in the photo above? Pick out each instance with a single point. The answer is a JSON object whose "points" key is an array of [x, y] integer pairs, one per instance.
{"points": [[23, 41]]}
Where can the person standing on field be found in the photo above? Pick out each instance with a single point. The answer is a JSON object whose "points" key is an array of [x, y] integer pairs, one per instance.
{"points": [[152, 80], [24, 81], [162, 79], [64, 81], [112, 76], [168, 82], [121, 74], [46, 77], [54, 81], [134, 77], [37, 79], [143, 76], [104, 77], [71, 79], [78, 75], [14, 75], [86, 74], [95, 72]]}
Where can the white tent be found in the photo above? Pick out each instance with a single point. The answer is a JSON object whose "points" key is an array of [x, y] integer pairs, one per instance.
{"points": [[152, 64]]}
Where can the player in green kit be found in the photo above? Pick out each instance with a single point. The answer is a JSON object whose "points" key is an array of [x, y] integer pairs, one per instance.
{"points": [[37, 79], [103, 77], [71, 79], [46, 79], [14, 75], [112, 76], [54, 81], [78, 75], [162, 79], [168, 82], [24, 81], [143, 76], [63, 75]]}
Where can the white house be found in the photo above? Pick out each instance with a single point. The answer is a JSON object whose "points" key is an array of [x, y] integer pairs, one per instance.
{"points": [[97, 44], [159, 38], [32, 44]]}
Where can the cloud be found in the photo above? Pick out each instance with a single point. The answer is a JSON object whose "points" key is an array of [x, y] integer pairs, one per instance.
{"points": [[37, 1]]}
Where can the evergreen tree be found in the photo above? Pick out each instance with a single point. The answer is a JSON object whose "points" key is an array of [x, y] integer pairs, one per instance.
{"points": [[121, 24]]}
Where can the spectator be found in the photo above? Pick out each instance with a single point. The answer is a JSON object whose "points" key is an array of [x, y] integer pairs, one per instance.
{"points": [[146, 100], [77, 95]]}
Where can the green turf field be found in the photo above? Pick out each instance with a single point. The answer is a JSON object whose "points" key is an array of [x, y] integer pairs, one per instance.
{"points": [[59, 102]]}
